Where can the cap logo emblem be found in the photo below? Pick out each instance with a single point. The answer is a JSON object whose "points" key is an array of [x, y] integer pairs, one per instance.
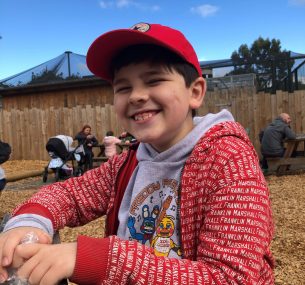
{"points": [[141, 27]]}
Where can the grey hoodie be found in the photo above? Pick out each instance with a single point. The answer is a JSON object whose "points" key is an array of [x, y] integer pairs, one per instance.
{"points": [[150, 201], [274, 134]]}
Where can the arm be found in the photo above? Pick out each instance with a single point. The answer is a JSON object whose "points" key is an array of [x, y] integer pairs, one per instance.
{"points": [[75, 201], [289, 133], [69, 208], [117, 140], [94, 141], [80, 137]]}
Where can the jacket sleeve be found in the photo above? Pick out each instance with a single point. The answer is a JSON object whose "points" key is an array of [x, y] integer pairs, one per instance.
{"points": [[289, 133], [80, 137], [94, 141], [75, 201], [117, 140]]}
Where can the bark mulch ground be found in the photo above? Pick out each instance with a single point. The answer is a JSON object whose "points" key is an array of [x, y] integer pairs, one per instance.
{"points": [[288, 204]]}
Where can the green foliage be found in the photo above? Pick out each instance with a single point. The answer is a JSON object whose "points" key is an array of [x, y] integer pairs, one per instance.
{"points": [[265, 58], [45, 76], [48, 76], [301, 85]]}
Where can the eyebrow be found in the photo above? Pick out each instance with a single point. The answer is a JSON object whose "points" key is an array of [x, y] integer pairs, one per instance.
{"points": [[153, 72]]}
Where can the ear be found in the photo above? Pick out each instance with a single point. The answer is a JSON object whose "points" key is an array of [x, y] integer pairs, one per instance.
{"points": [[198, 89]]}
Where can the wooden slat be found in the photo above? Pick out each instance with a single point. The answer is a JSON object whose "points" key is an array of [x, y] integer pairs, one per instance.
{"points": [[29, 129]]}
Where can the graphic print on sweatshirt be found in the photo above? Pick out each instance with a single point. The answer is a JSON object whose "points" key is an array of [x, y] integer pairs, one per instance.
{"points": [[153, 218]]}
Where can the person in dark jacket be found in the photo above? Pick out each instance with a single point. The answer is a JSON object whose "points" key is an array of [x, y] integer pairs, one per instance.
{"points": [[88, 140], [5, 152], [272, 142]]}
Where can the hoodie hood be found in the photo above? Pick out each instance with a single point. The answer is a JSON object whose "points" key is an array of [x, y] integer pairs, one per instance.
{"points": [[278, 122], [222, 130]]}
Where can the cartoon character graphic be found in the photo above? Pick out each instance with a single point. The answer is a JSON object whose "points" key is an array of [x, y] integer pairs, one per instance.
{"points": [[162, 243], [148, 225]]}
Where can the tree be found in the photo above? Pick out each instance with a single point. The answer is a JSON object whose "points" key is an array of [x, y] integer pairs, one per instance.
{"points": [[47, 76], [266, 59]]}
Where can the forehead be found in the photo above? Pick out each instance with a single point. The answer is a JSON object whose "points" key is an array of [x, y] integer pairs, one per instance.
{"points": [[141, 69], [286, 116]]}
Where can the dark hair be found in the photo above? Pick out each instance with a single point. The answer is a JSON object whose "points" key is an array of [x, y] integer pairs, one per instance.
{"points": [[109, 134], [85, 127], [155, 55]]}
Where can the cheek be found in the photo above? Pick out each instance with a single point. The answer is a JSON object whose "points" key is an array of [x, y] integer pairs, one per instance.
{"points": [[119, 106]]}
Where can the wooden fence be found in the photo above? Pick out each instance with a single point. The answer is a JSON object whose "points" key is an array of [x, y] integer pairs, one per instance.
{"points": [[28, 130], [256, 110]]}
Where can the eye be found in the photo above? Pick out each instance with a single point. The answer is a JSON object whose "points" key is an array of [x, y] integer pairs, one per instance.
{"points": [[121, 89], [155, 81]]}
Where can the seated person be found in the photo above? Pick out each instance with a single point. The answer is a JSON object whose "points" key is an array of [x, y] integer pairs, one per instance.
{"points": [[88, 140], [110, 142], [127, 138], [2, 179], [5, 152], [272, 139]]}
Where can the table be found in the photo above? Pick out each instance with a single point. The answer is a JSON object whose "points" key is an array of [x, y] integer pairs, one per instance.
{"points": [[101, 157], [282, 164], [123, 146]]}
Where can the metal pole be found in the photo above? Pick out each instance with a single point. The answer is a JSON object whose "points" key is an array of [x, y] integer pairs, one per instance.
{"points": [[296, 83], [273, 72], [289, 76], [69, 68]]}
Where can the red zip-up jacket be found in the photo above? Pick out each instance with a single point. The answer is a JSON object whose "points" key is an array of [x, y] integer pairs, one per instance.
{"points": [[225, 218]]}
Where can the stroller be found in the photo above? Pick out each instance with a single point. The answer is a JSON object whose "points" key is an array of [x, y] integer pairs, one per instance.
{"points": [[61, 151]]}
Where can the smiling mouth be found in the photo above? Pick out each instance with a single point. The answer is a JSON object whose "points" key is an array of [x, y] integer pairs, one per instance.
{"points": [[140, 117]]}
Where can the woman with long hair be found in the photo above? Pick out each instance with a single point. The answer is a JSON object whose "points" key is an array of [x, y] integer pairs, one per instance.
{"points": [[88, 140]]}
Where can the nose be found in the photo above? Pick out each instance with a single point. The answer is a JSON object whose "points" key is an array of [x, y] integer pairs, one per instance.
{"points": [[138, 96]]}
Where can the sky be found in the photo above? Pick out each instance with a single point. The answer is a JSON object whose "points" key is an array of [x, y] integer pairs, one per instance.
{"points": [[35, 31]]}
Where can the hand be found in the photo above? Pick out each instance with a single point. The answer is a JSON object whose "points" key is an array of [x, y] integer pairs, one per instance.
{"points": [[89, 137], [10, 240], [131, 221], [45, 264]]}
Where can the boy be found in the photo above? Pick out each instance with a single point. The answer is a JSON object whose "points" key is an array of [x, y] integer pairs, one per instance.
{"points": [[187, 205]]}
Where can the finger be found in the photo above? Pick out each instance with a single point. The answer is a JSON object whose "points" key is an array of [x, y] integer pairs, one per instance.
{"points": [[43, 237], [44, 274], [47, 272], [8, 247], [25, 251], [38, 269], [13, 237], [3, 274], [27, 268]]}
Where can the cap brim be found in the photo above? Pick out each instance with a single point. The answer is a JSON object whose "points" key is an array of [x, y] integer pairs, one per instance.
{"points": [[103, 50]]}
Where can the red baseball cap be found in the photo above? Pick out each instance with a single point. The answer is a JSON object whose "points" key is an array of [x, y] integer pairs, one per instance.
{"points": [[107, 46]]}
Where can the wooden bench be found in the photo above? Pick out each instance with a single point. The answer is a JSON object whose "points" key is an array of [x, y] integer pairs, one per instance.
{"points": [[97, 161], [289, 161], [101, 157], [281, 165]]}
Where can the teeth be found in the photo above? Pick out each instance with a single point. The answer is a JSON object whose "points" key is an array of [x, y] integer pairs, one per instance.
{"points": [[143, 116]]}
